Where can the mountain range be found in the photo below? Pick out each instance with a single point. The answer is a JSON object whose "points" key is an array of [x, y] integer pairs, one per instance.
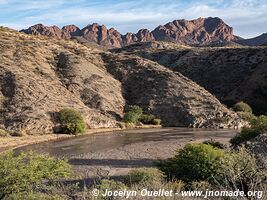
{"points": [[201, 31], [188, 73]]}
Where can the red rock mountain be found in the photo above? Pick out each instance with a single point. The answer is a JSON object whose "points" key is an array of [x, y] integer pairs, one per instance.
{"points": [[200, 31]]}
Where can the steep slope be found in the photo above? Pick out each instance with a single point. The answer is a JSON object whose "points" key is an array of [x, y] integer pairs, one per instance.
{"points": [[40, 76], [174, 98], [231, 74], [201, 31]]}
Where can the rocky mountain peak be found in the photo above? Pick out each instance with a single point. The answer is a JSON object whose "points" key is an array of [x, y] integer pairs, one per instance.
{"points": [[201, 31]]}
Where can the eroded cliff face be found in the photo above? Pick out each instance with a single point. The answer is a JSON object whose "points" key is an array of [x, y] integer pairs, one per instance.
{"points": [[40, 76], [201, 31]]}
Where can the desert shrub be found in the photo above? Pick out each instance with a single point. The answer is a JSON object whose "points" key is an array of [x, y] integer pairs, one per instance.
{"points": [[194, 162], [247, 116], [111, 185], [17, 133], [131, 117], [241, 170], [242, 107], [133, 114], [147, 119], [259, 123], [144, 175], [245, 135], [3, 133], [135, 109], [26, 171], [258, 126], [156, 121], [33, 196], [215, 144], [71, 121]]}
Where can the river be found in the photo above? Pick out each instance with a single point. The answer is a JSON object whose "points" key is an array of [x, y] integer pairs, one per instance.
{"points": [[114, 154]]}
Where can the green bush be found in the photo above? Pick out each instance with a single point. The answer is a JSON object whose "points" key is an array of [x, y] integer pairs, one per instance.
{"points": [[131, 117], [136, 109], [247, 116], [156, 121], [245, 135], [194, 162], [71, 121], [133, 114], [242, 107], [259, 123], [144, 175], [258, 126], [147, 119], [26, 171]]}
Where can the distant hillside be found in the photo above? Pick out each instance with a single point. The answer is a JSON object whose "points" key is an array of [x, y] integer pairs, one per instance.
{"points": [[256, 41], [231, 74]]}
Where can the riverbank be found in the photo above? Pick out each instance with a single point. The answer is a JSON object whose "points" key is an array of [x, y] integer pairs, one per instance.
{"points": [[11, 142]]}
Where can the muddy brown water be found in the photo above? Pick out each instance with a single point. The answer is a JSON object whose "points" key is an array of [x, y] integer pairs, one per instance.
{"points": [[114, 154]]}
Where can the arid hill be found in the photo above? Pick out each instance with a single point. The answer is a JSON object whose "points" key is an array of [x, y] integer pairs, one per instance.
{"points": [[201, 31], [39, 76], [232, 74], [260, 40]]}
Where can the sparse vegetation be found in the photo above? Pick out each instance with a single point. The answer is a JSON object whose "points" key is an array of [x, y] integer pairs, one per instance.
{"points": [[242, 107], [3, 133], [71, 121], [240, 170], [156, 121], [194, 162], [144, 175], [25, 172], [147, 119], [134, 114], [258, 126]]}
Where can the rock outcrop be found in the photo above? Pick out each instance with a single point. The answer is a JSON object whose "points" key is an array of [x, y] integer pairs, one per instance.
{"points": [[40, 76], [201, 31]]}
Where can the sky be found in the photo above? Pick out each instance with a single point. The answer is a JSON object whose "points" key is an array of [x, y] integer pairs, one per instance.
{"points": [[247, 17]]}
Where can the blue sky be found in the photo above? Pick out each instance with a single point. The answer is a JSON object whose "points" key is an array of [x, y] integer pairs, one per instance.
{"points": [[247, 17]]}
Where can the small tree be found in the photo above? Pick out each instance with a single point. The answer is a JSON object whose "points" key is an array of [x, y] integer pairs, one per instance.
{"points": [[133, 114], [242, 107], [71, 121]]}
